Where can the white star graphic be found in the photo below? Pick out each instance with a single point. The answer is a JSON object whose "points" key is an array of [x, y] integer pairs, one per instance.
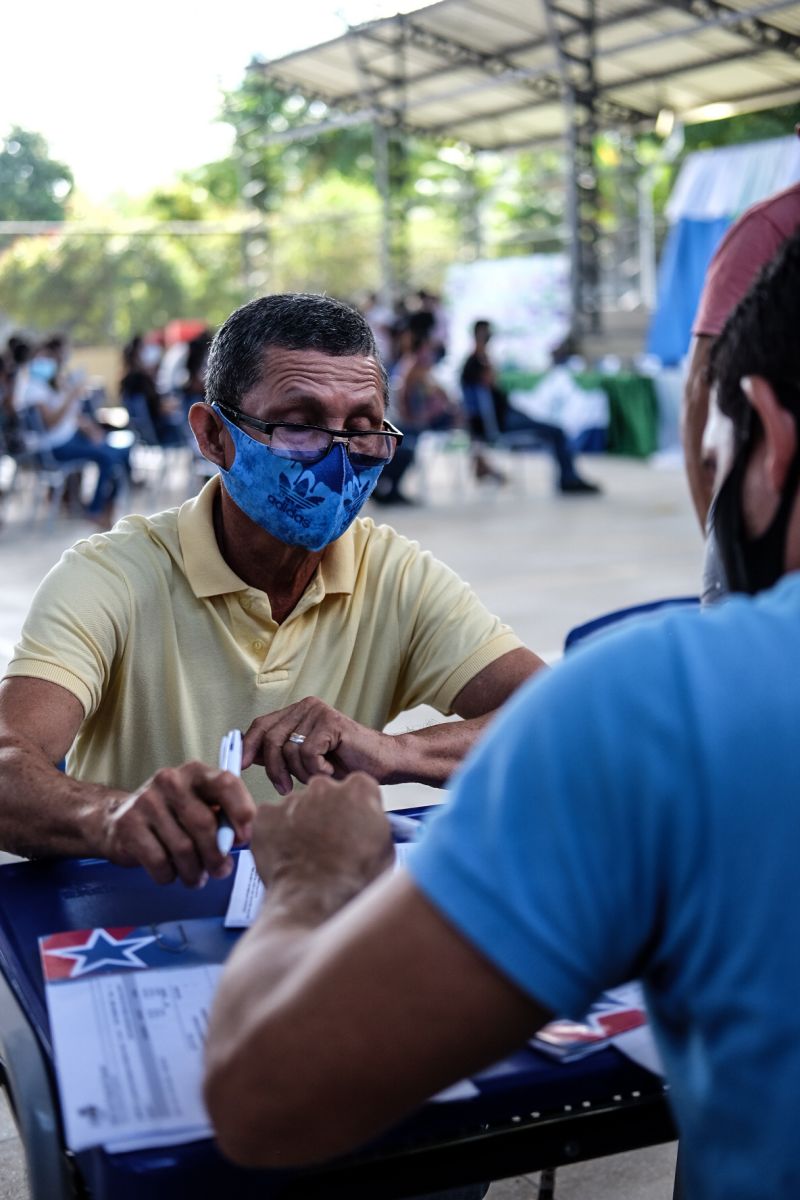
{"points": [[90, 956]]}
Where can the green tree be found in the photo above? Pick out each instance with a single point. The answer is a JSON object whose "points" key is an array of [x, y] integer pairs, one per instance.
{"points": [[103, 290], [267, 173], [33, 186], [745, 127]]}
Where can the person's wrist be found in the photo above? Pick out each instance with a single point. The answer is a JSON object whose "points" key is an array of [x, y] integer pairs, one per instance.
{"points": [[400, 753], [307, 899], [96, 820]]}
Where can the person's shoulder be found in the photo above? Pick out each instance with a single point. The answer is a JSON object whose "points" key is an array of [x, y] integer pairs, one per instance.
{"points": [[381, 541], [400, 567], [693, 641], [133, 542], [636, 654]]}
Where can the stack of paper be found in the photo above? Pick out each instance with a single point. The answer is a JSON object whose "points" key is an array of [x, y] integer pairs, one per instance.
{"points": [[617, 1018], [128, 1014]]}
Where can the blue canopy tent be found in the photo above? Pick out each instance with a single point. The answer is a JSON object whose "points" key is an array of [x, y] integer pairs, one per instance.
{"points": [[713, 188]]}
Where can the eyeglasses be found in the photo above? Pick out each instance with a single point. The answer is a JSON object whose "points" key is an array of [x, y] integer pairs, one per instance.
{"points": [[309, 444]]}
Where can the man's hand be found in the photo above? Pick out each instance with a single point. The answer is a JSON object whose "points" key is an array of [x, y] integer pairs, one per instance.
{"points": [[326, 743], [168, 826], [310, 738], [321, 847]]}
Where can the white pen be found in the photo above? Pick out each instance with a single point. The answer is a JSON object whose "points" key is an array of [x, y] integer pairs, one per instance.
{"points": [[230, 759], [404, 829]]}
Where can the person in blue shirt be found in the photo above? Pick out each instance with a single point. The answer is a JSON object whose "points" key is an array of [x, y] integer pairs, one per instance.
{"points": [[632, 814]]}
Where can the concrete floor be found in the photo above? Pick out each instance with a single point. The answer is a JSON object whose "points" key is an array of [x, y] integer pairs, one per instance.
{"points": [[543, 563]]}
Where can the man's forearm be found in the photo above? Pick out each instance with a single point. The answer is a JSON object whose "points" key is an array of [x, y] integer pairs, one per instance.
{"points": [[249, 1006], [431, 755], [44, 813], [277, 940]]}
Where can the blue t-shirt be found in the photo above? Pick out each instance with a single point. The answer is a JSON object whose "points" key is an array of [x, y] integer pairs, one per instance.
{"points": [[636, 813]]}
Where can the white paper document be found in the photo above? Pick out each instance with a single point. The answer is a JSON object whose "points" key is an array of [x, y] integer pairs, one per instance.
{"points": [[247, 893], [133, 1060], [128, 1031]]}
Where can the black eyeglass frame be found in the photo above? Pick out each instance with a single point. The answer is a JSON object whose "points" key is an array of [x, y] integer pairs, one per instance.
{"points": [[342, 436]]}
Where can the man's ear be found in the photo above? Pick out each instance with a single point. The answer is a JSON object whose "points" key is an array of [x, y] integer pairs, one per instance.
{"points": [[209, 433], [780, 431]]}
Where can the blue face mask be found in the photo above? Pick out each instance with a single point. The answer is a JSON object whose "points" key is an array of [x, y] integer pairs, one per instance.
{"points": [[300, 505], [44, 369]]}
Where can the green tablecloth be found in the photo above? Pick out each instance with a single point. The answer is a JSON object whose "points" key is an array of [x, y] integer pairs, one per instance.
{"points": [[632, 407]]}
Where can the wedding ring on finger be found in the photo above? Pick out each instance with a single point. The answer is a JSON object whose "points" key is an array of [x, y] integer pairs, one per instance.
{"points": [[296, 739]]}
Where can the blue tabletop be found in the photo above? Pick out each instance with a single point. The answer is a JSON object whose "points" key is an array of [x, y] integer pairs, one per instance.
{"points": [[38, 898]]}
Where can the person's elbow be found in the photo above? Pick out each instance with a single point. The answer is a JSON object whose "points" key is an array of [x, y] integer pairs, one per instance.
{"points": [[268, 1120]]}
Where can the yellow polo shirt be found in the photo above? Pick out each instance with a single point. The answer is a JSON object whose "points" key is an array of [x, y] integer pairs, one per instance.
{"points": [[166, 648]]}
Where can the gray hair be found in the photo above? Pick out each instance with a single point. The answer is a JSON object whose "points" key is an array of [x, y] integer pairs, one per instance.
{"points": [[290, 321]]}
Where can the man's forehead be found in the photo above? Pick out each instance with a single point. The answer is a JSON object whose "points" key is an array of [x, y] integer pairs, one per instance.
{"points": [[312, 372]]}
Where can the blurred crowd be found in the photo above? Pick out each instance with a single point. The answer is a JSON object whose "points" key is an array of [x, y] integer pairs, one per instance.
{"points": [[161, 379], [412, 339], [57, 421], [53, 416]]}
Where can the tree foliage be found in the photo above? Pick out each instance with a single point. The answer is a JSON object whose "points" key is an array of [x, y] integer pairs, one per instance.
{"points": [[33, 186], [270, 173], [310, 213], [106, 289], [745, 127]]}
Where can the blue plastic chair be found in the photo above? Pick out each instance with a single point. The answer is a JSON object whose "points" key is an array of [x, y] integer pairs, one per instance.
{"points": [[590, 628]]}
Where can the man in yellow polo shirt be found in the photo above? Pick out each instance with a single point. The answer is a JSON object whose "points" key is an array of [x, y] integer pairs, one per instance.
{"points": [[265, 603]]}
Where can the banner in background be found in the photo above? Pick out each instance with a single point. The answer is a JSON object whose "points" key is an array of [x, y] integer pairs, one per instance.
{"points": [[527, 300]]}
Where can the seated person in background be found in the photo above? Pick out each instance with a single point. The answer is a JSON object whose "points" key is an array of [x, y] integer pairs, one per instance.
{"points": [[380, 318], [56, 422], [419, 403], [138, 392], [484, 399], [429, 306], [15, 360], [193, 389], [264, 603], [633, 813], [7, 411], [158, 420]]}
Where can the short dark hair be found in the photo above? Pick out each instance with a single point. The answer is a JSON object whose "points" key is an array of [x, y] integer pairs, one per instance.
{"points": [[479, 325], [290, 321], [761, 338]]}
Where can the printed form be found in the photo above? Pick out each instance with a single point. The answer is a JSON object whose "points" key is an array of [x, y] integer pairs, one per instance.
{"points": [[129, 1008], [128, 1032]]}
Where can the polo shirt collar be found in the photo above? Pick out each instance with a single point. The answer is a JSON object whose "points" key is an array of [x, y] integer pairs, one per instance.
{"points": [[208, 573]]}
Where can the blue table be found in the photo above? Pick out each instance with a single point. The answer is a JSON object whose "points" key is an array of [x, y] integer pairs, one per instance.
{"points": [[531, 1113]]}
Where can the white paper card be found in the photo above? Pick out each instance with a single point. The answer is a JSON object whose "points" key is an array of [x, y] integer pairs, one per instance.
{"points": [[247, 893], [129, 1055]]}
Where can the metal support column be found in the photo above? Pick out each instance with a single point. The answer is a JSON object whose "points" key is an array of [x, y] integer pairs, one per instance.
{"points": [[576, 69], [388, 140], [390, 179], [380, 141]]}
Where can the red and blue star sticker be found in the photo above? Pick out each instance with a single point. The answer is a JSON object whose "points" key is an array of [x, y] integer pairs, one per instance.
{"points": [[92, 950]]}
